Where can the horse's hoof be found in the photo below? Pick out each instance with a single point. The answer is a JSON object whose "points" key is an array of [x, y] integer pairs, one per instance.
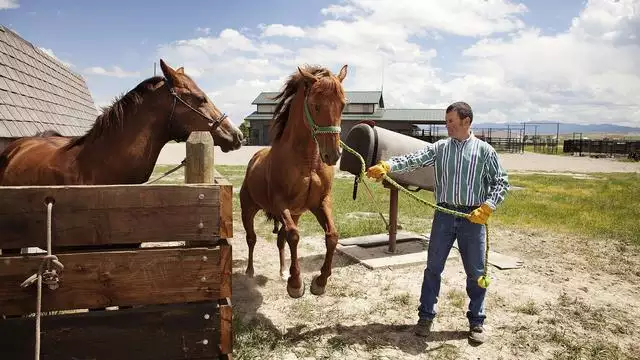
{"points": [[249, 272], [315, 288], [296, 293], [284, 276]]}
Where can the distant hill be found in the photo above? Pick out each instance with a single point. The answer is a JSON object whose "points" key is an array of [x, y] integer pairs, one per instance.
{"points": [[544, 128]]}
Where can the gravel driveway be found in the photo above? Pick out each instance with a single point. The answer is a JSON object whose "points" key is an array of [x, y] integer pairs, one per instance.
{"points": [[173, 153]]}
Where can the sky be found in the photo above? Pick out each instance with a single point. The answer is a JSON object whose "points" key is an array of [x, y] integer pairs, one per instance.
{"points": [[512, 61]]}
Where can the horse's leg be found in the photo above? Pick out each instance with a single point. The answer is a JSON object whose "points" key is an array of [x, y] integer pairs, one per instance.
{"points": [[282, 237], [249, 210], [295, 285], [325, 218]]}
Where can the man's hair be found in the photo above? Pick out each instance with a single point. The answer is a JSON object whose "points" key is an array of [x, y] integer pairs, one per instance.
{"points": [[463, 109]]}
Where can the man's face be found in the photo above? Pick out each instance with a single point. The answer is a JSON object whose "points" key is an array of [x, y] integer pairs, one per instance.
{"points": [[456, 127]]}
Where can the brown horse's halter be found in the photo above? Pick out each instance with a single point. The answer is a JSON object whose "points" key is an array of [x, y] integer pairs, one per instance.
{"points": [[213, 124]]}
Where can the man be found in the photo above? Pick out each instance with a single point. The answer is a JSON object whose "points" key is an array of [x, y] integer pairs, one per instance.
{"points": [[468, 179]]}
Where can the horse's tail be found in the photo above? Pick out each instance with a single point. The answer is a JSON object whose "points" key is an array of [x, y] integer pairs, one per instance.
{"points": [[276, 222]]}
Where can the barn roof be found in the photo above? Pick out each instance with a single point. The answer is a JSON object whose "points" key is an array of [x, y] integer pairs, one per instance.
{"points": [[413, 116], [39, 93], [354, 97]]}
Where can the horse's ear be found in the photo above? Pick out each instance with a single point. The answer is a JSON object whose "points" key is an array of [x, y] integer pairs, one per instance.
{"points": [[343, 73], [167, 70], [307, 76], [180, 70]]}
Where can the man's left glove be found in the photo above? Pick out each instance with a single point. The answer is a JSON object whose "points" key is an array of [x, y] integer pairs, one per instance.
{"points": [[481, 214]]}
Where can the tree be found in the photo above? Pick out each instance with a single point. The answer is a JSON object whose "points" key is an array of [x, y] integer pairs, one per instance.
{"points": [[245, 127]]}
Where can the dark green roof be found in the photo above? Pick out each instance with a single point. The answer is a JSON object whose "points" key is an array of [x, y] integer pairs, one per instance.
{"points": [[415, 116], [354, 97]]}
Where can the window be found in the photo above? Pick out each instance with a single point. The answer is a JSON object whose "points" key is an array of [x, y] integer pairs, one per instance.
{"points": [[265, 108], [359, 108]]}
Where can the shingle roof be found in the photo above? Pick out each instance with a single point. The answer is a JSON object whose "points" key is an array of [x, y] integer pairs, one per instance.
{"points": [[39, 93], [354, 97], [414, 116]]}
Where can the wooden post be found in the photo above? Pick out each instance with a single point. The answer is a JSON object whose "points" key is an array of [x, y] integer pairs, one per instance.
{"points": [[393, 216], [199, 166]]}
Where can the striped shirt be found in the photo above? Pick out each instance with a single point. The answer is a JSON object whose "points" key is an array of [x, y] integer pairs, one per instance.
{"points": [[467, 172]]}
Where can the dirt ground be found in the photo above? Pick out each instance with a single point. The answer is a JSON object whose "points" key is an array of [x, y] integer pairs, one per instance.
{"points": [[573, 299]]}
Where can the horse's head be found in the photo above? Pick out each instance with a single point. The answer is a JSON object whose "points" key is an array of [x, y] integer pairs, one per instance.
{"points": [[324, 102], [192, 110]]}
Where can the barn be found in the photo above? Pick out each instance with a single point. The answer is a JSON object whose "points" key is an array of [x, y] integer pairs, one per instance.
{"points": [[38, 92], [361, 105]]}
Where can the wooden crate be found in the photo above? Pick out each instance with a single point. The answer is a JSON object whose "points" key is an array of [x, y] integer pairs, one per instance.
{"points": [[176, 298]]}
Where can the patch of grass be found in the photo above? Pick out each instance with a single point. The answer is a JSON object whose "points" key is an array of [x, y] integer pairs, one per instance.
{"points": [[402, 300], [581, 331], [601, 207], [304, 310], [445, 351], [254, 339], [457, 298], [529, 308]]}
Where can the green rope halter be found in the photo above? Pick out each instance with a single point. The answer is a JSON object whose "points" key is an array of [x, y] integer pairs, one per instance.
{"points": [[315, 129]]}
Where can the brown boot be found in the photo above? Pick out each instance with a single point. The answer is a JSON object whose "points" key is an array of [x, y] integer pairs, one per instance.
{"points": [[477, 335], [423, 327]]}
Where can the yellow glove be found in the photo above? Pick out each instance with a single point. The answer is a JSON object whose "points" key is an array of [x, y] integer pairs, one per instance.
{"points": [[481, 214], [377, 171]]}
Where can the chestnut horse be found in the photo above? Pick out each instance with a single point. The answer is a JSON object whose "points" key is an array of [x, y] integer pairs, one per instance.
{"points": [[295, 174], [125, 141]]}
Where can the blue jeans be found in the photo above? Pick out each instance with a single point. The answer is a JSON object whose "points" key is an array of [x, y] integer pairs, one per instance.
{"points": [[471, 243]]}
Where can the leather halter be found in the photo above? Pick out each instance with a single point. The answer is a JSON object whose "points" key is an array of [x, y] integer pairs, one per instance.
{"points": [[213, 123]]}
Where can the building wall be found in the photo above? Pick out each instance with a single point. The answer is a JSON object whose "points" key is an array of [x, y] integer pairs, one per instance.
{"points": [[259, 132], [260, 129], [390, 125]]}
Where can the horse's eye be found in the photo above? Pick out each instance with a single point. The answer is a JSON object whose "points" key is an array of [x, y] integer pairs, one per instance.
{"points": [[317, 107]]}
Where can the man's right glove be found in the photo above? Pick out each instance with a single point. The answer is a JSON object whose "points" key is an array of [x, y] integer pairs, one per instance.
{"points": [[379, 170]]}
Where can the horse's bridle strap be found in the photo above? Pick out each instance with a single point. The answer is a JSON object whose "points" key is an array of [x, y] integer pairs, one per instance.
{"points": [[212, 123]]}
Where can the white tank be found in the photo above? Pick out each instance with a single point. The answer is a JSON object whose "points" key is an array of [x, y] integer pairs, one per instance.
{"points": [[375, 143]]}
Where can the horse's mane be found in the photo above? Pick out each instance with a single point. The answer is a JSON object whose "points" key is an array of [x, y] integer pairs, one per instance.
{"points": [[112, 116], [328, 84]]}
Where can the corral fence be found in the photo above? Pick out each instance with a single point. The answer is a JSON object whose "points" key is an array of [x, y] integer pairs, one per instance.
{"points": [[133, 271]]}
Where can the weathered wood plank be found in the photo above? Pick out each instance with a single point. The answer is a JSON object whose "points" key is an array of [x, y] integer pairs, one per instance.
{"points": [[225, 269], [184, 331], [118, 214], [226, 329], [226, 211], [97, 280]]}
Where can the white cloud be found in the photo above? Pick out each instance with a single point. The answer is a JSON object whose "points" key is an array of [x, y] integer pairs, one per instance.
{"points": [[9, 4], [586, 74], [282, 30], [115, 72], [511, 72], [50, 53], [205, 31]]}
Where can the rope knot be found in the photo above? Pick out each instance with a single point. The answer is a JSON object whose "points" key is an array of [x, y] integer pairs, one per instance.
{"points": [[50, 277]]}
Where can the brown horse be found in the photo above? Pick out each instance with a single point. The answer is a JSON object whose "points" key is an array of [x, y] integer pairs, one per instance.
{"points": [[295, 174], [125, 141]]}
